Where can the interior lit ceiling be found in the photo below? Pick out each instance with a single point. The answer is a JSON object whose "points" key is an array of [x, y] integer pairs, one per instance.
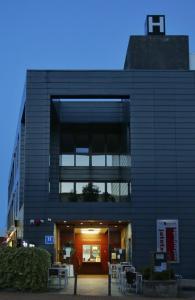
{"points": [[91, 230]]}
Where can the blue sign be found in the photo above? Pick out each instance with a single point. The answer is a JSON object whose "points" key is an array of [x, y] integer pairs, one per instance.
{"points": [[49, 239]]}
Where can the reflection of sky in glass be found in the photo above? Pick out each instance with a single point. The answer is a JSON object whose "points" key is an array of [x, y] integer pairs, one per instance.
{"points": [[116, 189], [101, 186], [67, 160], [82, 150], [124, 189], [67, 187], [82, 160], [109, 189], [113, 160], [80, 186], [98, 160]]}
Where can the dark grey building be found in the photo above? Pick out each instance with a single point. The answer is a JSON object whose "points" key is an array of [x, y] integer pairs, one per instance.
{"points": [[106, 159]]}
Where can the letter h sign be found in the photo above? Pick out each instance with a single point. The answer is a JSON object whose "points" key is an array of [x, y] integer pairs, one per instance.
{"points": [[155, 25]]}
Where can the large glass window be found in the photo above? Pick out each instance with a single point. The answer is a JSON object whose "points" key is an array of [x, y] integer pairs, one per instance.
{"points": [[96, 146], [95, 191]]}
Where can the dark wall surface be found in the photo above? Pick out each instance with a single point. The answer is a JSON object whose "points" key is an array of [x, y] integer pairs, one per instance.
{"points": [[158, 52], [162, 119]]}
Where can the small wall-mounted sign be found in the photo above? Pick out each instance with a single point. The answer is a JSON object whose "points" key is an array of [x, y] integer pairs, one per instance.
{"points": [[49, 239], [155, 25]]}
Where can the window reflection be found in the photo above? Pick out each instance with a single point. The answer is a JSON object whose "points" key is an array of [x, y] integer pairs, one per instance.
{"points": [[123, 191], [112, 160], [125, 160], [67, 191], [80, 186], [98, 160], [94, 145], [113, 190], [66, 187], [83, 150], [95, 191], [82, 160], [67, 160]]}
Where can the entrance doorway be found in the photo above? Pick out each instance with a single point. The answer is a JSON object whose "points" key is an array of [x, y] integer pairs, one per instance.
{"points": [[88, 246]]}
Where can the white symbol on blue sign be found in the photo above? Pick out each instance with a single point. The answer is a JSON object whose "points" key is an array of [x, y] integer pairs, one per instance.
{"points": [[49, 240]]}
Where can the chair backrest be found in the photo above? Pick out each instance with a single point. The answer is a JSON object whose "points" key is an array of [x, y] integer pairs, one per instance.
{"points": [[131, 277], [54, 272], [127, 267]]}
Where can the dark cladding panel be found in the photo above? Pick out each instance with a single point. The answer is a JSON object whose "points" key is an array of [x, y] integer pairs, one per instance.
{"points": [[158, 52]]}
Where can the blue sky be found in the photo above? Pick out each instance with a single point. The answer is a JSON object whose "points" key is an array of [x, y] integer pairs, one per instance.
{"points": [[69, 34]]}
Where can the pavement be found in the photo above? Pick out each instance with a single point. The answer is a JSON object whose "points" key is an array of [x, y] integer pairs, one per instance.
{"points": [[57, 296]]}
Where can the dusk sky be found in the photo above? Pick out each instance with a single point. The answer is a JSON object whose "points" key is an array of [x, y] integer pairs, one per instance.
{"points": [[69, 34]]}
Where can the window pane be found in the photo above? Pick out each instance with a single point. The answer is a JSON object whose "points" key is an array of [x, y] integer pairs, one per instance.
{"points": [[100, 186], [125, 160], [112, 191], [123, 191], [87, 192], [67, 192], [66, 187], [82, 150], [98, 160], [82, 160], [112, 160], [66, 160], [101, 190], [80, 186]]}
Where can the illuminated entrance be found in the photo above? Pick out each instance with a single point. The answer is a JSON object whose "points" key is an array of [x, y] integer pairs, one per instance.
{"points": [[90, 245]]}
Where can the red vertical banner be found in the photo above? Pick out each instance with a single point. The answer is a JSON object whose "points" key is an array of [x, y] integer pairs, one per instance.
{"points": [[168, 239], [170, 244]]}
